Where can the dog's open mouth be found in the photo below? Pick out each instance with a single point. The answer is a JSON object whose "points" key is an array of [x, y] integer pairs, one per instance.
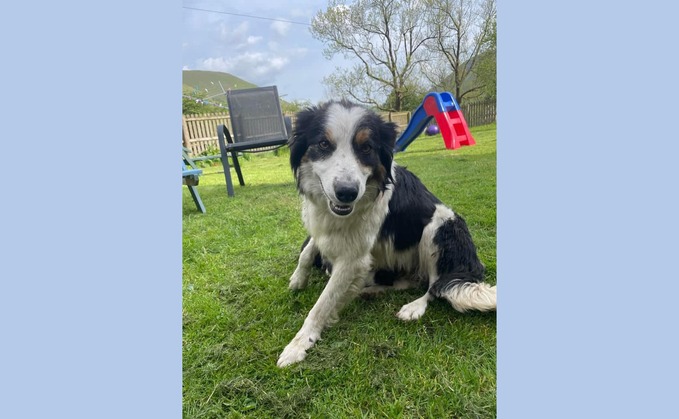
{"points": [[342, 210]]}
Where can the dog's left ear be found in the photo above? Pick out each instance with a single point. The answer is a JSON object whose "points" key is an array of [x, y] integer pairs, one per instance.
{"points": [[387, 133], [298, 140]]}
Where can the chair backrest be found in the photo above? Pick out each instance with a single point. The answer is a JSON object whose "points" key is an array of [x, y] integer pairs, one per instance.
{"points": [[256, 114]]}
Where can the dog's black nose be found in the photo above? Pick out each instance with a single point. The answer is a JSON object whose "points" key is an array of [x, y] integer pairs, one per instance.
{"points": [[346, 191]]}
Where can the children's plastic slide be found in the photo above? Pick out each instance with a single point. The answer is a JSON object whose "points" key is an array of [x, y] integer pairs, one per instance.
{"points": [[444, 109]]}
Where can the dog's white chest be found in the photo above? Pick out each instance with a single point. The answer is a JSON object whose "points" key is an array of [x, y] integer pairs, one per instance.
{"points": [[335, 236]]}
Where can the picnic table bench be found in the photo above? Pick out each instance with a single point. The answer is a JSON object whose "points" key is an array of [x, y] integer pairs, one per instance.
{"points": [[190, 177]]}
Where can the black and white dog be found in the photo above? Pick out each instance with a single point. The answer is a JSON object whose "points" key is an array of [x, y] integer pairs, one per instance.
{"points": [[372, 221]]}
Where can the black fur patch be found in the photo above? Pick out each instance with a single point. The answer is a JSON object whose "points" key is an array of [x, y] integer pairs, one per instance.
{"points": [[410, 210], [309, 129], [319, 262], [383, 277], [458, 262]]}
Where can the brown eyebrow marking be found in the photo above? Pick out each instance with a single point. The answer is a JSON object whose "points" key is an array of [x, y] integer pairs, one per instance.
{"points": [[328, 135], [362, 136]]}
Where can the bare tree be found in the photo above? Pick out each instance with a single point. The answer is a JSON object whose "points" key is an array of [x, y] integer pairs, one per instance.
{"points": [[387, 41], [461, 31]]}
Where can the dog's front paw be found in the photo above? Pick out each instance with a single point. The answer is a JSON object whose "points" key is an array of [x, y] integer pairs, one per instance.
{"points": [[412, 311], [298, 281], [292, 354]]}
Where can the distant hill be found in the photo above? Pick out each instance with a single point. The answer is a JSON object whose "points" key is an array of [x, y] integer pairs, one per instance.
{"points": [[208, 82]]}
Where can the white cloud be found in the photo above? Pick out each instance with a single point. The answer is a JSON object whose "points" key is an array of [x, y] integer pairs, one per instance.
{"points": [[255, 67], [242, 28], [274, 52], [277, 63], [216, 64], [231, 34], [298, 52], [280, 28], [249, 42]]}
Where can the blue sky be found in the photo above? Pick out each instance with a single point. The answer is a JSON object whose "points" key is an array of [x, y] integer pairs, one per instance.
{"points": [[263, 52]]}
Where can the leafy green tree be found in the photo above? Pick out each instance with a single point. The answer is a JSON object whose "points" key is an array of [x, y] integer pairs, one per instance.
{"points": [[294, 106], [194, 103], [412, 98], [486, 69]]}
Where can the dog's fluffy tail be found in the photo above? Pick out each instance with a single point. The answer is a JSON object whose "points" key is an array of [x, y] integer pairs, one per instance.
{"points": [[472, 296], [465, 295]]}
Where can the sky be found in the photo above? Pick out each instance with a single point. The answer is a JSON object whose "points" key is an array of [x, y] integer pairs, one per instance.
{"points": [[262, 52]]}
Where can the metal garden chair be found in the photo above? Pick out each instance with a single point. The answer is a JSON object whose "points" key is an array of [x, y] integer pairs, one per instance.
{"points": [[257, 124]]}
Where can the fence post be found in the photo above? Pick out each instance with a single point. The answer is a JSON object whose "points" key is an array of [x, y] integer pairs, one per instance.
{"points": [[185, 133]]}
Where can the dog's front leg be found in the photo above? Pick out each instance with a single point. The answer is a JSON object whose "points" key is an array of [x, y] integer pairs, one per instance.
{"points": [[300, 277], [344, 283]]}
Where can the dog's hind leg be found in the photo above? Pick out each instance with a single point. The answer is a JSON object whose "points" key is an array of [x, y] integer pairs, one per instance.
{"points": [[460, 272], [307, 258], [347, 276], [455, 271]]}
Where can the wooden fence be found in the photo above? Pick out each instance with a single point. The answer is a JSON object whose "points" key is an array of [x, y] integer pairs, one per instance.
{"points": [[479, 113], [401, 119], [199, 132], [475, 113]]}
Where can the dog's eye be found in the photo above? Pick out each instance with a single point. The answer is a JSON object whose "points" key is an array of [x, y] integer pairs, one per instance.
{"points": [[324, 144], [366, 148]]}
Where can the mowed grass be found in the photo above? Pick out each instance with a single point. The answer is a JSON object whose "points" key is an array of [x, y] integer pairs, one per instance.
{"points": [[238, 313]]}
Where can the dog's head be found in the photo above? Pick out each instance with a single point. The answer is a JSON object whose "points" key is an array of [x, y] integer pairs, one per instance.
{"points": [[341, 153]]}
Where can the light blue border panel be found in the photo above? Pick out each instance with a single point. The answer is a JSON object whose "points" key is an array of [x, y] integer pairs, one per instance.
{"points": [[90, 303], [587, 209]]}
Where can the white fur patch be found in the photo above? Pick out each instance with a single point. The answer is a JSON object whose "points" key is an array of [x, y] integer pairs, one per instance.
{"points": [[428, 251], [342, 122], [415, 309], [342, 165], [472, 296]]}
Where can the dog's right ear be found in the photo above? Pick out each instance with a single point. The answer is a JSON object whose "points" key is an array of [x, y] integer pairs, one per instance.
{"points": [[299, 141]]}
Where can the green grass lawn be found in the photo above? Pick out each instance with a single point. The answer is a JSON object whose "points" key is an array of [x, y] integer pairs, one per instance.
{"points": [[238, 313]]}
